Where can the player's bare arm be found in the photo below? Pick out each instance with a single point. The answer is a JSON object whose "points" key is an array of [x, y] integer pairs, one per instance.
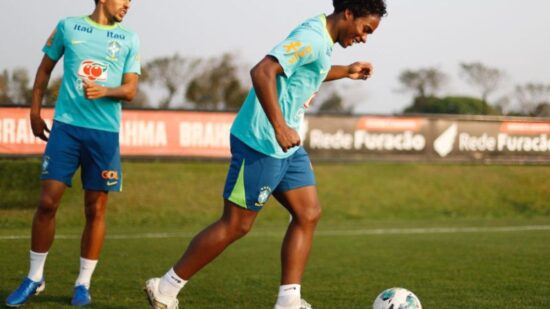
{"points": [[264, 76], [358, 70], [126, 91], [43, 74]]}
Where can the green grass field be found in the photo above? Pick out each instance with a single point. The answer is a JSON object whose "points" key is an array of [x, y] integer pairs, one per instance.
{"points": [[459, 236]]}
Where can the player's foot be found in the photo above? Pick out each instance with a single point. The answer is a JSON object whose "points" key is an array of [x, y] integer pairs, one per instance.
{"points": [[26, 289], [157, 300], [81, 296], [302, 304]]}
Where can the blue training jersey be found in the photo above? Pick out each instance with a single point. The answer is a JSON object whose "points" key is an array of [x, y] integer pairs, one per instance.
{"points": [[305, 57], [99, 53]]}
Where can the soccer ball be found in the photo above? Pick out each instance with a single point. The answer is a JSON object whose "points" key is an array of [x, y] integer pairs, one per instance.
{"points": [[396, 298]]}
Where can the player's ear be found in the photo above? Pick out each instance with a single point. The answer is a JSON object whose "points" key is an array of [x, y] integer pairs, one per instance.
{"points": [[348, 14]]}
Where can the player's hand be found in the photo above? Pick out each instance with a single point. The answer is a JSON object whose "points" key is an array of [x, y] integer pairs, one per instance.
{"points": [[39, 127], [360, 70], [93, 91], [287, 138]]}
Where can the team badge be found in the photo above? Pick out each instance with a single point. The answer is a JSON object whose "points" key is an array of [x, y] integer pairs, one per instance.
{"points": [[263, 196], [45, 164], [113, 50]]}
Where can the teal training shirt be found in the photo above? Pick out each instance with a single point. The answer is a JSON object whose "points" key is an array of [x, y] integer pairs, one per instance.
{"points": [[102, 54], [305, 57]]}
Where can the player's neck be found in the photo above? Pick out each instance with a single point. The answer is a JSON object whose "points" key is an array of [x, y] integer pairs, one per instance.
{"points": [[332, 28], [99, 17]]}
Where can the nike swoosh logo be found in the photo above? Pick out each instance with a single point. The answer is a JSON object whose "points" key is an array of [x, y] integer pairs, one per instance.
{"points": [[75, 42], [112, 183]]}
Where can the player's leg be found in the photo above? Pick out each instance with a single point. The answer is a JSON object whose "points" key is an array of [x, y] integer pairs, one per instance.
{"points": [[203, 249], [298, 194], [95, 205], [248, 185], [60, 161], [43, 224], [209, 243], [101, 173], [303, 205]]}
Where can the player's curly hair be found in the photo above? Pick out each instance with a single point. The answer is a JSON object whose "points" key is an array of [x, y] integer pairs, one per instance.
{"points": [[361, 8]]}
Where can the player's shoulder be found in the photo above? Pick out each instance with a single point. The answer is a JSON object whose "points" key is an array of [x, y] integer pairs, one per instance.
{"points": [[127, 31], [73, 19], [70, 21], [313, 27]]}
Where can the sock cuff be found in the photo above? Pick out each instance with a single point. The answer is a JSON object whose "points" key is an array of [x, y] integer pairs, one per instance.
{"points": [[289, 289], [174, 279], [85, 261], [38, 254]]}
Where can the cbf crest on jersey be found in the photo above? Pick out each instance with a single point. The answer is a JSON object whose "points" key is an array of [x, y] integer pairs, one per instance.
{"points": [[113, 50]]}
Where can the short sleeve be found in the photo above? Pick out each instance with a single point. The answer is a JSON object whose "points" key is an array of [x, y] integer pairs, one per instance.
{"points": [[133, 61], [301, 47], [55, 46]]}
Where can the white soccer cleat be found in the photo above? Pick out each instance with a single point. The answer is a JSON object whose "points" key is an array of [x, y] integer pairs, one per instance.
{"points": [[157, 300], [302, 304]]}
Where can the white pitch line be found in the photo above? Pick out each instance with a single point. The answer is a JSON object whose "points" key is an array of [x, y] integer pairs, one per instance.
{"points": [[360, 232]]}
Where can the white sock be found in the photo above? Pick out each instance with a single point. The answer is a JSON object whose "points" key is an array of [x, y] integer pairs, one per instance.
{"points": [[87, 268], [171, 284], [289, 294], [36, 270]]}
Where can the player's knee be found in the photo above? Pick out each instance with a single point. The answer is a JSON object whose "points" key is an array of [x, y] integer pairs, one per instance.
{"points": [[47, 206], [309, 215], [239, 229]]}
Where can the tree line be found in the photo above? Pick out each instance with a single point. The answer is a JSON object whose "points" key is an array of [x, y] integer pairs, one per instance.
{"points": [[530, 99], [221, 83]]}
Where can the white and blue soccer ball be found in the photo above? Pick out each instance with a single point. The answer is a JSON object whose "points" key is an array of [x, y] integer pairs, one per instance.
{"points": [[396, 298]]}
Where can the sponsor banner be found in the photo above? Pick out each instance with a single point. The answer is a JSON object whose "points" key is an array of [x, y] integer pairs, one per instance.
{"points": [[492, 140], [204, 134], [142, 133], [428, 139], [367, 137]]}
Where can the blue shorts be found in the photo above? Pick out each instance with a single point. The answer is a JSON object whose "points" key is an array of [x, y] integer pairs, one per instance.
{"points": [[253, 176], [97, 152]]}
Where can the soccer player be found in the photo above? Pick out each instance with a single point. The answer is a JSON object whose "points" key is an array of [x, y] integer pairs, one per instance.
{"points": [[267, 158], [101, 69]]}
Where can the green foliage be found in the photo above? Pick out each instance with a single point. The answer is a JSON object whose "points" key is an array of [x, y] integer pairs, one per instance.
{"points": [[15, 88], [334, 104], [181, 194], [218, 86], [51, 94], [486, 79], [533, 99], [451, 105], [423, 82], [170, 73], [19, 184]]}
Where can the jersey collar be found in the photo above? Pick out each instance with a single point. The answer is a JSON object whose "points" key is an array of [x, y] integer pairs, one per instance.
{"points": [[104, 27], [323, 18]]}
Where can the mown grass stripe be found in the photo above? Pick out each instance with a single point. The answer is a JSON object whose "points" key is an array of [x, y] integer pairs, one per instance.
{"points": [[359, 232]]}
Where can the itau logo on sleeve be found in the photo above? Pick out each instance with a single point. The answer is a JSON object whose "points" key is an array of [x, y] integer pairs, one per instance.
{"points": [[443, 145]]}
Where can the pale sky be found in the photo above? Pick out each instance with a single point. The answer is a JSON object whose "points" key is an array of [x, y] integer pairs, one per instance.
{"points": [[510, 35]]}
